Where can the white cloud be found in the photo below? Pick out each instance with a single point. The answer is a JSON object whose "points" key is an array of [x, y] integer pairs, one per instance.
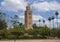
{"points": [[37, 17], [13, 5], [21, 16], [46, 6]]}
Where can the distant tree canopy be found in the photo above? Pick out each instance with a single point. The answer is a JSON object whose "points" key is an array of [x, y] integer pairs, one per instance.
{"points": [[3, 24], [15, 21]]}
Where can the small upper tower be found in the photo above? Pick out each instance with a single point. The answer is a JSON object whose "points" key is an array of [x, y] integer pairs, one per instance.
{"points": [[28, 18], [28, 7]]}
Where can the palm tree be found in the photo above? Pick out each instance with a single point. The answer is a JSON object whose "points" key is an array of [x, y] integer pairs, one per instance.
{"points": [[44, 26], [39, 22], [53, 20], [44, 22], [49, 20], [34, 26], [56, 13], [21, 25]]}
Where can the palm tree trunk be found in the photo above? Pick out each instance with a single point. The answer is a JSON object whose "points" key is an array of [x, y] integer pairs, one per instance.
{"points": [[53, 24], [44, 28], [57, 21], [53, 29], [50, 27], [57, 24], [39, 24], [50, 24]]}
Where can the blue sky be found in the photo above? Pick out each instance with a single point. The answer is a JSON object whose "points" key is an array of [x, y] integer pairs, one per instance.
{"points": [[41, 9]]}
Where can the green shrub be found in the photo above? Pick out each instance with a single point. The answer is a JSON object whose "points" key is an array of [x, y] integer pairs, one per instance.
{"points": [[25, 37], [11, 37]]}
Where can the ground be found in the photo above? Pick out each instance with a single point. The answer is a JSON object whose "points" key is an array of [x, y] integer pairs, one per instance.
{"points": [[46, 40]]}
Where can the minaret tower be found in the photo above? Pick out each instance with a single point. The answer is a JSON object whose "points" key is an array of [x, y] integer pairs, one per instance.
{"points": [[28, 18]]}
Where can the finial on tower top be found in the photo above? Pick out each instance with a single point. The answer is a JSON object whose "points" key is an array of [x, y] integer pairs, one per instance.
{"points": [[28, 7]]}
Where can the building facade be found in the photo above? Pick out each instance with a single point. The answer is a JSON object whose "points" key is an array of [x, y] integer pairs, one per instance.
{"points": [[28, 18]]}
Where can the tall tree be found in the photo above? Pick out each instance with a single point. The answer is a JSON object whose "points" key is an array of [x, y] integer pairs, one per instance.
{"points": [[3, 24], [56, 13], [53, 21], [39, 22], [21, 25], [15, 21], [49, 21], [44, 26], [44, 22], [49, 24]]}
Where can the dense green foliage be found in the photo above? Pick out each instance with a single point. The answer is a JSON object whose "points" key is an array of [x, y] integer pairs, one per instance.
{"points": [[19, 33]]}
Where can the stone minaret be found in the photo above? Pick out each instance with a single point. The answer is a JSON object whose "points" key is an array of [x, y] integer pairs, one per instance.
{"points": [[28, 18]]}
